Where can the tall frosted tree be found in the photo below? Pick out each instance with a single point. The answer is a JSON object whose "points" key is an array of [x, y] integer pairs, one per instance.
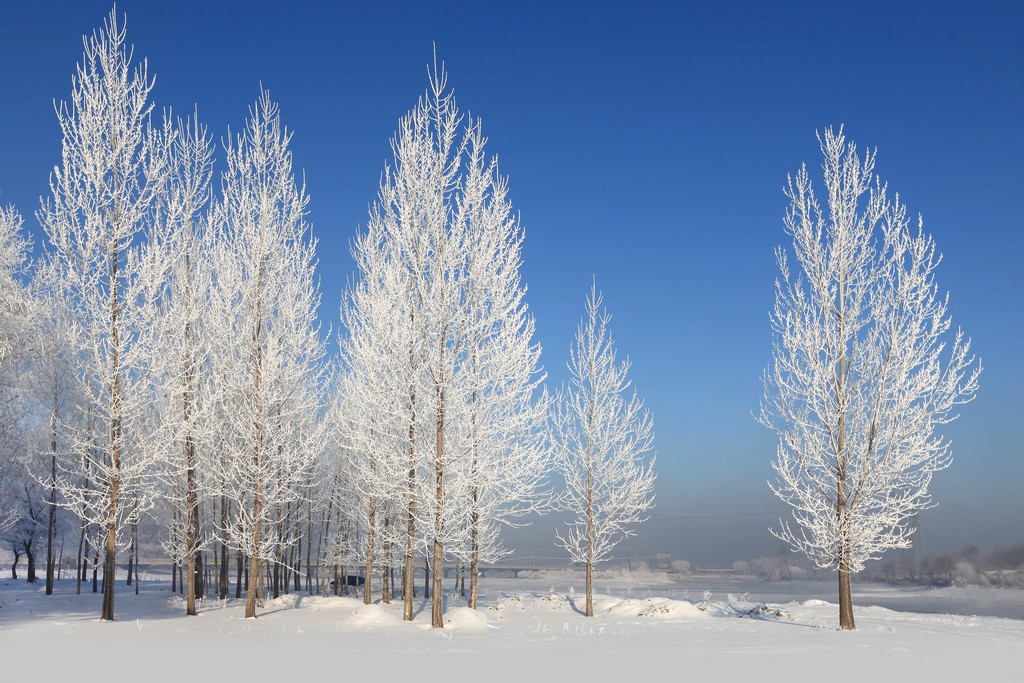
{"points": [[604, 442], [865, 369], [444, 411], [16, 327], [419, 269], [52, 392], [176, 277], [506, 459], [269, 358], [113, 164]]}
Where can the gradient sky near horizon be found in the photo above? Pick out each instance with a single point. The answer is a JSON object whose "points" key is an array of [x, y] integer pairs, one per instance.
{"points": [[647, 145]]}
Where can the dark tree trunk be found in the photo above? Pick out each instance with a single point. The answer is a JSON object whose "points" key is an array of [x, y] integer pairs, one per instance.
{"points": [[426, 578], [131, 557], [80, 567], [225, 570], [297, 568], [198, 588], [30, 558], [60, 559], [240, 564], [109, 583], [309, 548], [135, 544]]}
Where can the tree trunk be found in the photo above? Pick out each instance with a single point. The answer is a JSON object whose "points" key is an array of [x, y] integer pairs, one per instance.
{"points": [[255, 562], [410, 538], [51, 525], [474, 563], [191, 515], [590, 589], [309, 548], [385, 578], [199, 589], [14, 565], [135, 544], [255, 582], [109, 570], [846, 622], [80, 567], [845, 599], [437, 596], [30, 559], [426, 580], [590, 537], [110, 544], [131, 565], [225, 571], [240, 567], [60, 559], [371, 525]]}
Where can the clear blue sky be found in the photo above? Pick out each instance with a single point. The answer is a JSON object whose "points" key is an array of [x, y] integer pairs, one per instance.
{"points": [[647, 145]]}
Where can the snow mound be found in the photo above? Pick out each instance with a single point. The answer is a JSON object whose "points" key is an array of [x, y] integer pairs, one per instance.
{"points": [[814, 602], [319, 603], [766, 611], [466, 619], [371, 616], [650, 608], [551, 601], [505, 603], [656, 608], [283, 602]]}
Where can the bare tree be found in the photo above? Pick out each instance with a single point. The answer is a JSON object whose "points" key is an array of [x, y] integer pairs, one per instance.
{"points": [[602, 440], [863, 372]]}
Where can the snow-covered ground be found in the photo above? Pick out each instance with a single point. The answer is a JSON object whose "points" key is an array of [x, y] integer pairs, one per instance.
{"points": [[644, 628]]}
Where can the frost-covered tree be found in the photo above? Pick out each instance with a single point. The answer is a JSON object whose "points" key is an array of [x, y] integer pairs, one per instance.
{"points": [[112, 167], [16, 323], [444, 419], [51, 389], [506, 458], [603, 441], [15, 303], [864, 369], [418, 268], [176, 277], [268, 360]]}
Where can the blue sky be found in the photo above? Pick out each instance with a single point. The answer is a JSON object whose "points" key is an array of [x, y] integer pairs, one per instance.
{"points": [[646, 145]]}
